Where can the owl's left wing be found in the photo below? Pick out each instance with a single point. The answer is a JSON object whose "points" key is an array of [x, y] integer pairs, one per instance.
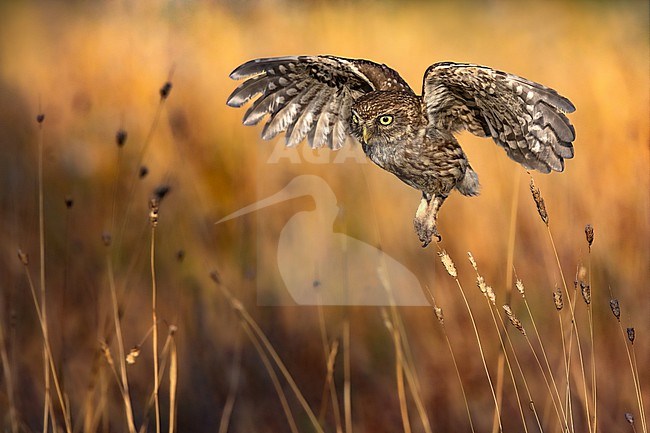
{"points": [[307, 96], [527, 119]]}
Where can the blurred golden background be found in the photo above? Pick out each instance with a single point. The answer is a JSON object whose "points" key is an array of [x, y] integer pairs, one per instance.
{"points": [[95, 67]]}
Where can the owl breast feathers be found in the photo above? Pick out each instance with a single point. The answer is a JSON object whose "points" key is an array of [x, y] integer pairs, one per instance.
{"points": [[325, 99]]}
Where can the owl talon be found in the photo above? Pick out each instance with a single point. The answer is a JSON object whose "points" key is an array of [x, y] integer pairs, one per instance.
{"points": [[426, 232], [425, 220]]}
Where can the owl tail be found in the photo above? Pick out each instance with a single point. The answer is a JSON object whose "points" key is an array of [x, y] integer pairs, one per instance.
{"points": [[469, 184]]}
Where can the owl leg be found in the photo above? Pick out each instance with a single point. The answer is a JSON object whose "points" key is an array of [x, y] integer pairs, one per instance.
{"points": [[426, 217]]}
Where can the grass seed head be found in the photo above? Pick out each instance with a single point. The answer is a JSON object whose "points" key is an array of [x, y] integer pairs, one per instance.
{"points": [[214, 275], [120, 137], [387, 323], [582, 273], [165, 90], [630, 335], [154, 203], [161, 191], [513, 319], [586, 292], [520, 288], [589, 233], [490, 294], [439, 315], [480, 283], [154, 207], [448, 263], [616, 308], [23, 257], [133, 355], [557, 299], [472, 261], [106, 351], [539, 201]]}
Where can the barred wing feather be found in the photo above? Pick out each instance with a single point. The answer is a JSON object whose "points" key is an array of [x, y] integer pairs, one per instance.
{"points": [[306, 96], [527, 119]]}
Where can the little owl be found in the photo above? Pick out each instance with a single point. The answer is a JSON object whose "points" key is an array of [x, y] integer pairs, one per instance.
{"points": [[326, 99]]}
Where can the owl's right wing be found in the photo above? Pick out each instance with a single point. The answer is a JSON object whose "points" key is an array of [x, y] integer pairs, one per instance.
{"points": [[308, 96], [527, 119]]}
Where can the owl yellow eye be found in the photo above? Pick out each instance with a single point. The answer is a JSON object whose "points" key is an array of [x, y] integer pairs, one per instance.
{"points": [[386, 120]]}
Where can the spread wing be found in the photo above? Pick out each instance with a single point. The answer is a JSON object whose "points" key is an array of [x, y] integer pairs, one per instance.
{"points": [[525, 118], [308, 96]]}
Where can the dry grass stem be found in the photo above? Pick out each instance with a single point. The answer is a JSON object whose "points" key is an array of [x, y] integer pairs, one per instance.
{"points": [[123, 379], [440, 316], [635, 365], [531, 403], [330, 354], [512, 234], [481, 352], [504, 363], [232, 389], [48, 350], [541, 208], [165, 358], [173, 381], [47, 406], [8, 379], [546, 371], [508, 365], [629, 335], [406, 358], [141, 170], [585, 290], [399, 372], [251, 325], [347, 387], [154, 206], [274, 377]]}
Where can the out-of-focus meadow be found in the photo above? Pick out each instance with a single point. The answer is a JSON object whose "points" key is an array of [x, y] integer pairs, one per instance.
{"points": [[93, 68]]}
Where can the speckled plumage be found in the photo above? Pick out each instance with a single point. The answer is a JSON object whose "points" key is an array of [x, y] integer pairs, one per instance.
{"points": [[325, 99]]}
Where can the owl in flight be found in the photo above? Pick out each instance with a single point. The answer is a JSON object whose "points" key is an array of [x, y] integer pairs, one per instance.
{"points": [[326, 99]]}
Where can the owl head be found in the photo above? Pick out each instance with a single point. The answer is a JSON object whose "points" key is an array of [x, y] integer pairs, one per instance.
{"points": [[380, 118]]}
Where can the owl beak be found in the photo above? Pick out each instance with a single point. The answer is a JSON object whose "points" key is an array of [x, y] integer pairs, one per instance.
{"points": [[366, 134]]}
